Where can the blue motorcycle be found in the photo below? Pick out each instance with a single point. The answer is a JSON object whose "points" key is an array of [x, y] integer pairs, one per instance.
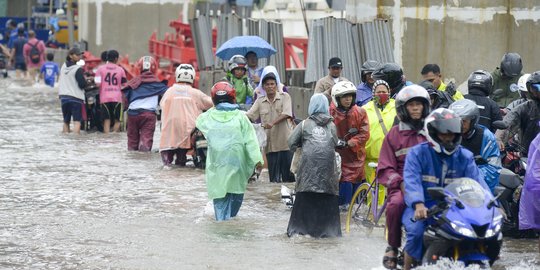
{"points": [[465, 225]]}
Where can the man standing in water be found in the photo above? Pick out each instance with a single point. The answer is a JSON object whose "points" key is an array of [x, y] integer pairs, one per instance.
{"points": [[110, 77], [71, 86], [233, 151]]}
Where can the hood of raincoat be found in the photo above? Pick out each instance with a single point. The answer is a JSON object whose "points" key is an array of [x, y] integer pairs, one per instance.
{"points": [[265, 71], [318, 104], [223, 115], [321, 119]]}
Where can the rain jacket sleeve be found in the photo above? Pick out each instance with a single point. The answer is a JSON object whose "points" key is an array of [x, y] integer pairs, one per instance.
{"points": [[359, 140], [205, 101], [387, 169], [295, 139], [412, 175], [513, 120], [490, 153]]}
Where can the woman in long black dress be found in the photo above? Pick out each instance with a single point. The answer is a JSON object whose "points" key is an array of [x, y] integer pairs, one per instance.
{"points": [[316, 211]]}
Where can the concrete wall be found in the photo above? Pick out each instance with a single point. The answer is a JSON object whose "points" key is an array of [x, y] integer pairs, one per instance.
{"points": [[126, 25], [17, 8], [459, 35]]}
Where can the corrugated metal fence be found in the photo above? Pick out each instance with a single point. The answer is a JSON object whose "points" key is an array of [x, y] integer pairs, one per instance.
{"points": [[229, 26], [353, 43]]}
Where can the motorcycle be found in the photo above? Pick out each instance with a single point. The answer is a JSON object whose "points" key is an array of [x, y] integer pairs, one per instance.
{"points": [[3, 65], [93, 112], [200, 148], [511, 183], [465, 225]]}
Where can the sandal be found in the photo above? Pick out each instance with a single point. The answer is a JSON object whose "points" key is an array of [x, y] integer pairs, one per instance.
{"points": [[390, 262]]}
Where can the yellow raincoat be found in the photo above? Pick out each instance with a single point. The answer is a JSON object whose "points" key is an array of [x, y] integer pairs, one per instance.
{"points": [[457, 96], [376, 138], [180, 105]]}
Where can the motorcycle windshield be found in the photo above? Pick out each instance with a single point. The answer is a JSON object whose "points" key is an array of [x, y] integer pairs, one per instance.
{"points": [[467, 191]]}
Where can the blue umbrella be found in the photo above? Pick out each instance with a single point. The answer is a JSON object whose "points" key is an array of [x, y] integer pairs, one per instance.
{"points": [[244, 44]]}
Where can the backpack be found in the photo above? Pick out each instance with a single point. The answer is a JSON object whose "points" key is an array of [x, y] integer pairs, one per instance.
{"points": [[35, 54]]}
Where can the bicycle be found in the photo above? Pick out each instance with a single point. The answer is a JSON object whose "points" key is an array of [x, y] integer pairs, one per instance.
{"points": [[362, 210]]}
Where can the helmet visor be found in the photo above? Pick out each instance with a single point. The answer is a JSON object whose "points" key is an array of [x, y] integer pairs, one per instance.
{"points": [[536, 86], [447, 125]]}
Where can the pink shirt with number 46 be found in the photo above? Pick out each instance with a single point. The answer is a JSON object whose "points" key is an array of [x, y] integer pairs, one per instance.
{"points": [[109, 79]]}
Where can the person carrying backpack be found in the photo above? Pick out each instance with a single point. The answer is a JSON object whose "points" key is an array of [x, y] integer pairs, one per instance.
{"points": [[34, 54]]}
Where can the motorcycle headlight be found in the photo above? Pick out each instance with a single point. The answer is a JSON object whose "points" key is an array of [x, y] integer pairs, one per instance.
{"points": [[462, 230], [494, 231]]}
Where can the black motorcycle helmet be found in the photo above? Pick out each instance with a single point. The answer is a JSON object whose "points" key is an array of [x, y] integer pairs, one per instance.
{"points": [[392, 74], [511, 65], [368, 67], [481, 79], [443, 121], [533, 85]]}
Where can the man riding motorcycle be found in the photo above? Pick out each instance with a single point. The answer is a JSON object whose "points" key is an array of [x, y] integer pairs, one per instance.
{"points": [[479, 140], [522, 117], [437, 162]]}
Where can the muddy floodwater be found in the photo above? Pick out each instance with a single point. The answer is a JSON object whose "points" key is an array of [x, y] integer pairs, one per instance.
{"points": [[85, 202]]}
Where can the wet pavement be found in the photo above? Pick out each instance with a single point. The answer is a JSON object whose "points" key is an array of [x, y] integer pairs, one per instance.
{"points": [[85, 202]]}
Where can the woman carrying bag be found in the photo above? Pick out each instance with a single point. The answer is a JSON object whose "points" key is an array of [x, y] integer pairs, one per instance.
{"points": [[316, 211]]}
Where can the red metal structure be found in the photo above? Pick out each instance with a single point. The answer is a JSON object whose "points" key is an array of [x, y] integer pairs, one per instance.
{"points": [[289, 44], [179, 47], [176, 48]]}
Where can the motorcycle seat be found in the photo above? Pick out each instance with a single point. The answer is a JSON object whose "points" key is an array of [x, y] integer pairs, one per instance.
{"points": [[509, 179]]}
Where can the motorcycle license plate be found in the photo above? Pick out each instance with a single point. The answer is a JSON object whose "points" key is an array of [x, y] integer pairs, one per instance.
{"points": [[201, 144]]}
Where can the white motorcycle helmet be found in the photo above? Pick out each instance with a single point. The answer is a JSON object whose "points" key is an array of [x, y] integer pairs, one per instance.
{"points": [[343, 88], [185, 73], [522, 82]]}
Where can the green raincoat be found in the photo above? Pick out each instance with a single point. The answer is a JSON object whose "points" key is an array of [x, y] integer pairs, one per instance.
{"points": [[242, 86], [233, 151]]}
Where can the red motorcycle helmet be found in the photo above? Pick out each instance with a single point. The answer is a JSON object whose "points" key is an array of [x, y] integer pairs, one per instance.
{"points": [[223, 92], [146, 63]]}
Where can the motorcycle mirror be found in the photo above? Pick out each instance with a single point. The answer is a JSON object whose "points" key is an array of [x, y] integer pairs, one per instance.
{"points": [[353, 131], [437, 193], [498, 191], [499, 124]]}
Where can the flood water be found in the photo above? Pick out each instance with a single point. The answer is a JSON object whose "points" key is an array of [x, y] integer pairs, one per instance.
{"points": [[85, 202]]}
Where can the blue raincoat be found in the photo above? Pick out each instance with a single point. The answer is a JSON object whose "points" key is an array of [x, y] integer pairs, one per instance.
{"points": [[529, 205], [490, 153], [423, 169], [364, 94]]}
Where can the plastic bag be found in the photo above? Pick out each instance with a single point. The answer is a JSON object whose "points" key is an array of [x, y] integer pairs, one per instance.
{"points": [[261, 134]]}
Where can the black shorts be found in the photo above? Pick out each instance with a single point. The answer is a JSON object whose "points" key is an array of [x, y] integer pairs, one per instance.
{"points": [[20, 66], [72, 109], [111, 110]]}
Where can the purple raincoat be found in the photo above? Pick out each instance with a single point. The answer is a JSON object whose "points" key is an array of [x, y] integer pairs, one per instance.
{"points": [[529, 205]]}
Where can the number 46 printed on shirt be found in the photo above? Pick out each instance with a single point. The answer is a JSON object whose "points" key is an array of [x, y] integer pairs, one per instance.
{"points": [[111, 79]]}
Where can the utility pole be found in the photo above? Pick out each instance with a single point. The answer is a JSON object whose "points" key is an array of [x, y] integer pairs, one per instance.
{"points": [[28, 14], [71, 34]]}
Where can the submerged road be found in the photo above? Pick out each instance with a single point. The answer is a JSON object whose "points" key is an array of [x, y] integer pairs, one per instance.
{"points": [[85, 202]]}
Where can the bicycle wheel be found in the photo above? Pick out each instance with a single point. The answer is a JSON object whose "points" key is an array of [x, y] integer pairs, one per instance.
{"points": [[359, 209]]}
